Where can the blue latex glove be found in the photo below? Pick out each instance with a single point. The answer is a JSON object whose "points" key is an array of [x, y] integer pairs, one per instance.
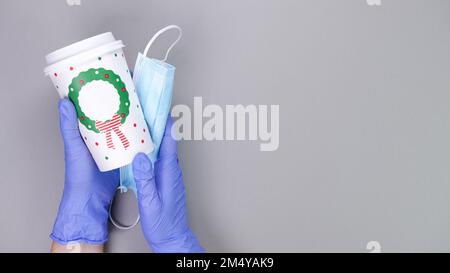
{"points": [[161, 198], [83, 212]]}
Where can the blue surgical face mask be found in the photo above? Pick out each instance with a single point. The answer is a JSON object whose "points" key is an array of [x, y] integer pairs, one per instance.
{"points": [[153, 80]]}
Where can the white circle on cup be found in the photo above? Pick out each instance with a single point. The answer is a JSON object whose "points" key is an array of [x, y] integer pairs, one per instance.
{"points": [[99, 100]]}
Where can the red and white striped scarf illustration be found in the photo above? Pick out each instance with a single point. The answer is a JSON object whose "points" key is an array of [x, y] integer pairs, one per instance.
{"points": [[112, 125]]}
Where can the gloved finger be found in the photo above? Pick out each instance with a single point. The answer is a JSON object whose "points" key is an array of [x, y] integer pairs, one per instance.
{"points": [[144, 176], [168, 147], [69, 123], [169, 180]]}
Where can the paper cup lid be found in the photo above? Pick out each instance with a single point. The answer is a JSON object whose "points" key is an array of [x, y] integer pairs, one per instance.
{"points": [[83, 50]]}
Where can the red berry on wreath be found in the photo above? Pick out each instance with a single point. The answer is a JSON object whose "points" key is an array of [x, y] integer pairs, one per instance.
{"points": [[82, 118], [122, 115], [124, 89], [107, 76], [81, 82]]}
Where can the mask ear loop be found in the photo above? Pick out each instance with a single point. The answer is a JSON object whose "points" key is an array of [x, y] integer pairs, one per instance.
{"points": [[117, 225], [147, 48], [180, 33]]}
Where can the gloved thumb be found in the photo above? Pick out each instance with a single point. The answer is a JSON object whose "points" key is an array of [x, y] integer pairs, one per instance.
{"points": [[69, 123], [144, 176]]}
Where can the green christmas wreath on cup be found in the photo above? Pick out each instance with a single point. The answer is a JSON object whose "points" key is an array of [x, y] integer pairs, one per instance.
{"points": [[99, 74]]}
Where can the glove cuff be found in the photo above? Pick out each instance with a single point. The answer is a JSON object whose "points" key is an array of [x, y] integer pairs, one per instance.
{"points": [[87, 224], [78, 240]]}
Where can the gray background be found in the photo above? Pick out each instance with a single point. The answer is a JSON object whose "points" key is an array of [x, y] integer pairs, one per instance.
{"points": [[364, 128]]}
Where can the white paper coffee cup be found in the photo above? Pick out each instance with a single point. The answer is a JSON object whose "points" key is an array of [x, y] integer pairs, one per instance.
{"points": [[95, 76]]}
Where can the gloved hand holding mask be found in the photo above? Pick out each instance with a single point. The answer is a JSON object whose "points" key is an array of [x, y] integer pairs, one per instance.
{"points": [[161, 198]]}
